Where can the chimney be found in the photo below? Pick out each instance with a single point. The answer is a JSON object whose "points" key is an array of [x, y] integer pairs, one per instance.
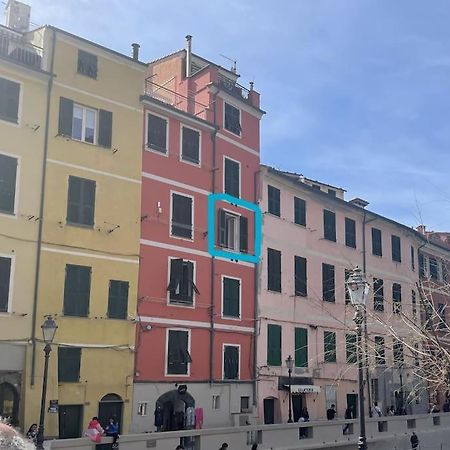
{"points": [[422, 229], [17, 16], [188, 55], [135, 47], [361, 203]]}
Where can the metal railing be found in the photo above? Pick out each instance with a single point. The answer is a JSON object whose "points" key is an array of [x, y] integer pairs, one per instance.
{"points": [[234, 89], [15, 48]]}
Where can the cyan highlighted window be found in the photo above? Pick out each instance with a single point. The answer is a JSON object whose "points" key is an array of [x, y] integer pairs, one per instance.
{"points": [[233, 245]]}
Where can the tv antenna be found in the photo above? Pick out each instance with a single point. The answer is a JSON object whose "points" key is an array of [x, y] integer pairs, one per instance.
{"points": [[233, 61]]}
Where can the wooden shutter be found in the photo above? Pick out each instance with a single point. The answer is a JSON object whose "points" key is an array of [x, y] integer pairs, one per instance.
{"points": [[232, 177], [273, 345], [350, 232], [231, 362], [222, 229], [396, 297], [396, 248], [118, 299], [190, 150], [157, 133], [300, 281], [329, 225], [88, 201], [376, 242], [9, 100], [65, 117], [273, 195], [328, 283], [178, 355], [81, 201], [329, 346], [182, 216], [378, 294], [69, 361], [176, 275], [243, 234], [87, 64], [231, 297], [301, 347], [350, 348], [8, 173], [77, 288], [105, 128], [299, 211], [5, 277], [273, 270]]}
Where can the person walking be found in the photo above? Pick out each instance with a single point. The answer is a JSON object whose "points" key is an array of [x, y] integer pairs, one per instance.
{"points": [[414, 441], [331, 412], [348, 415]]}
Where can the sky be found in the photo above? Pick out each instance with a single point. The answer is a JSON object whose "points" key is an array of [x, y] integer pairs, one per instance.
{"points": [[356, 91]]}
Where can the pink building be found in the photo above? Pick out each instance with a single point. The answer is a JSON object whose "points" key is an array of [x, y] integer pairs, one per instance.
{"points": [[196, 312], [312, 237]]}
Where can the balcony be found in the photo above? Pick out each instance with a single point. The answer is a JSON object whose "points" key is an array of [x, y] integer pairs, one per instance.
{"points": [[14, 47], [234, 89]]}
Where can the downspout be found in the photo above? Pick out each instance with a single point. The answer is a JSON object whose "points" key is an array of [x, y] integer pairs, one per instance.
{"points": [[41, 213]]}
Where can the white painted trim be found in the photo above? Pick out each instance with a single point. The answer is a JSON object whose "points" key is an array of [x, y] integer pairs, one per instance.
{"points": [[237, 144], [84, 110], [223, 276], [181, 194], [11, 67], [240, 174], [14, 215], [98, 97], [188, 374], [223, 360], [98, 172], [146, 147], [195, 324], [191, 251], [224, 102], [80, 345], [194, 275], [20, 107], [11, 281], [199, 164], [174, 183], [90, 255], [230, 99]]}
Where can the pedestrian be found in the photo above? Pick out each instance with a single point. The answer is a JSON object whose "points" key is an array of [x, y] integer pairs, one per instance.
{"points": [[179, 447], [376, 410], [224, 446], [391, 411], [112, 430], [331, 412], [95, 430], [446, 407], [305, 414], [348, 415], [254, 447], [32, 433], [414, 441]]}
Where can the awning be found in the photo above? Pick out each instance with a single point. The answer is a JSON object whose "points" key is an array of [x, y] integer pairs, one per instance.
{"points": [[304, 389]]}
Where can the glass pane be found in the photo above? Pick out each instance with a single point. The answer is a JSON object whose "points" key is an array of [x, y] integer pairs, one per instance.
{"points": [[77, 122], [89, 131]]}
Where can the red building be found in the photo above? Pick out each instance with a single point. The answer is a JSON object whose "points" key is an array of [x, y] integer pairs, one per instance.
{"points": [[196, 312]]}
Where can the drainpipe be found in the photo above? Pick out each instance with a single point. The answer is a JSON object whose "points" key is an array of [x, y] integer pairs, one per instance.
{"points": [[41, 214]]}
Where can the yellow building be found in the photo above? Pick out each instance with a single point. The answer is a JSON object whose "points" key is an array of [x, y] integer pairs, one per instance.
{"points": [[88, 232], [23, 104]]}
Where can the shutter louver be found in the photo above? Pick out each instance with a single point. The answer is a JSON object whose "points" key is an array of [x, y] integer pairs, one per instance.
{"points": [[105, 128], [301, 347], [65, 117], [243, 234]]}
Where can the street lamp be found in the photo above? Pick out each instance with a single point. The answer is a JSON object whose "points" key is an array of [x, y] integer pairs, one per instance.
{"points": [[358, 289], [290, 366], [49, 328]]}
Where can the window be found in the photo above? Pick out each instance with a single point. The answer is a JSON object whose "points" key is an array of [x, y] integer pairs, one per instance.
{"points": [[375, 390], [233, 231], [329, 346], [396, 249], [414, 304], [300, 281], [434, 268], [8, 174], [413, 259], [332, 192], [9, 100], [273, 195], [81, 201], [142, 408], [157, 133], [301, 347], [378, 294], [396, 298], [350, 233], [398, 353], [273, 345], [85, 124], [245, 404], [178, 357], [347, 273], [380, 354], [232, 119], [329, 225], [216, 402], [190, 145], [77, 290], [232, 177], [328, 283], [118, 299], [230, 362], [5, 283], [299, 211], [181, 283], [377, 247], [231, 297], [69, 361], [87, 64], [422, 266], [442, 319], [273, 270], [181, 223], [350, 348]]}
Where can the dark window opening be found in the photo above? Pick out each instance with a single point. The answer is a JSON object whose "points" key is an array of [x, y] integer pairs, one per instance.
{"points": [[441, 310], [398, 353], [87, 64], [190, 147], [118, 299], [230, 362], [347, 273], [434, 268], [350, 348], [181, 216], [301, 347], [273, 270], [396, 298], [413, 259], [8, 174], [273, 195], [232, 178], [157, 133], [378, 294], [81, 201], [329, 346], [380, 351], [178, 357], [9, 100], [273, 345], [232, 119], [5, 281], [77, 290], [350, 233], [329, 225], [300, 281], [396, 248], [328, 283], [181, 285], [231, 297], [377, 248], [69, 362], [299, 211]]}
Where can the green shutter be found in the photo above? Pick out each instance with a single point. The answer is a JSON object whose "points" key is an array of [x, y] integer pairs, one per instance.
{"points": [[273, 195], [69, 361], [105, 128], [118, 299], [231, 177], [329, 225], [5, 276], [299, 211], [8, 173], [350, 233], [300, 281], [329, 346], [273, 270], [9, 100], [231, 362], [350, 348], [77, 289], [178, 355], [301, 347], [328, 283], [274, 345], [243, 234], [65, 117], [231, 300]]}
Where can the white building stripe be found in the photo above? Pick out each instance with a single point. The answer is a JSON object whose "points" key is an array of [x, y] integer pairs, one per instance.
{"points": [[88, 169], [175, 183], [194, 324], [90, 255], [237, 144]]}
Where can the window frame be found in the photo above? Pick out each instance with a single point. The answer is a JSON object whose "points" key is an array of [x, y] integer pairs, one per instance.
{"points": [[225, 102], [380, 357], [79, 224], [396, 242], [89, 294], [85, 109], [380, 254], [275, 190], [274, 326], [333, 300], [350, 239], [147, 144], [174, 236], [166, 358], [326, 230], [127, 302], [77, 380], [187, 161], [20, 103], [18, 158], [281, 271], [171, 302], [327, 352], [396, 303], [236, 216], [12, 259], [351, 348], [224, 176], [297, 282], [238, 346], [80, 51], [222, 304], [303, 216]]}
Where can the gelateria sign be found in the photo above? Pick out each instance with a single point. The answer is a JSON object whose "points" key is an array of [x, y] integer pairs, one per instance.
{"points": [[305, 389]]}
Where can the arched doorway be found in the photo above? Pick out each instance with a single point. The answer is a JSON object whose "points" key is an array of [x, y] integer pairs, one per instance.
{"points": [[111, 405], [9, 402], [171, 409]]}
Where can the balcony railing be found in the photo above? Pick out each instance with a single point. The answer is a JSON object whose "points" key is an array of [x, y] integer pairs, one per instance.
{"points": [[176, 100], [15, 48], [234, 89]]}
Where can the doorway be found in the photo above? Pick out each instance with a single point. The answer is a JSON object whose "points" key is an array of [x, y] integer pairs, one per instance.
{"points": [[70, 421], [298, 403], [9, 402], [269, 410], [352, 403], [173, 410], [111, 405]]}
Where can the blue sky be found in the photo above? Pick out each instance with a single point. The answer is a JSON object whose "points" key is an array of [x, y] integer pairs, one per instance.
{"points": [[356, 91]]}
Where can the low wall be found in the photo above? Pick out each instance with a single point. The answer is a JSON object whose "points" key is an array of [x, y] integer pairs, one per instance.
{"points": [[382, 434]]}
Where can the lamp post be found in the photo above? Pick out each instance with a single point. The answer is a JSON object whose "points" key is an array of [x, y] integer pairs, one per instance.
{"points": [[290, 366], [49, 328], [358, 289]]}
